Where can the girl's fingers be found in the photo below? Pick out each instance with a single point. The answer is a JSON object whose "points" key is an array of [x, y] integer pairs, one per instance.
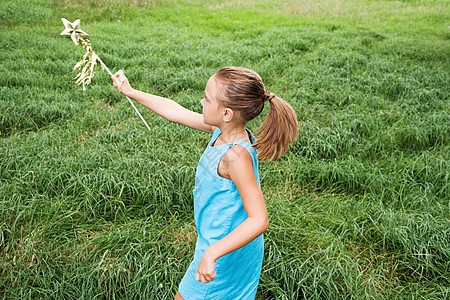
{"points": [[212, 276], [205, 270], [205, 278], [118, 80], [118, 76], [118, 73], [200, 278]]}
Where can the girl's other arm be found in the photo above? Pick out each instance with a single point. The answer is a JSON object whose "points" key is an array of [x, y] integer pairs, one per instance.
{"points": [[238, 165], [164, 107]]}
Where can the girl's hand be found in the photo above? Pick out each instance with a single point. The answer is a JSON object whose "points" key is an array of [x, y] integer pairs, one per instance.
{"points": [[205, 270], [120, 81]]}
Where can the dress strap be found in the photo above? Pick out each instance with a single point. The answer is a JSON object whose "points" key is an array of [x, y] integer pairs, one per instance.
{"points": [[244, 144], [214, 136]]}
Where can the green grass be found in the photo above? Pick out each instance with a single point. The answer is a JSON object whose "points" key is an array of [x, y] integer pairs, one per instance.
{"points": [[93, 205]]}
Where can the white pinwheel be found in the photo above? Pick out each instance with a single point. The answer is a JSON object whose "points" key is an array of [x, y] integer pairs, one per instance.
{"points": [[73, 30], [87, 64]]}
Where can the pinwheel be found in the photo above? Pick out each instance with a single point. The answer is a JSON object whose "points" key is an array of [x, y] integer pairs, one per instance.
{"points": [[89, 60]]}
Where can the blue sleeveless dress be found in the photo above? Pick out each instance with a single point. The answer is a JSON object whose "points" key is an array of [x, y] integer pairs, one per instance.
{"points": [[218, 210]]}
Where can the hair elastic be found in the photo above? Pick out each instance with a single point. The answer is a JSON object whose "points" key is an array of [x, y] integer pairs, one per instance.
{"points": [[268, 96]]}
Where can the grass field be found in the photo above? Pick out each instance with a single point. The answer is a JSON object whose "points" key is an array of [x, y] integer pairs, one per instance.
{"points": [[95, 206]]}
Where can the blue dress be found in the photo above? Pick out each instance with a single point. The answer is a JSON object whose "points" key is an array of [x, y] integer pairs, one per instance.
{"points": [[218, 210]]}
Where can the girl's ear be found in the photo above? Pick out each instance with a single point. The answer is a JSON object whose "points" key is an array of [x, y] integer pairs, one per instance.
{"points": [[228, 115]]}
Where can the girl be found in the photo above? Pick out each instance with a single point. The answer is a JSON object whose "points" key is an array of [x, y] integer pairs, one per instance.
{"points": [[229, 209]]}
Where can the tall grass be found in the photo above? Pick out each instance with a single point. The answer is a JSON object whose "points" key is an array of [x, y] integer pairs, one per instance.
{"points": [[95, 206]]}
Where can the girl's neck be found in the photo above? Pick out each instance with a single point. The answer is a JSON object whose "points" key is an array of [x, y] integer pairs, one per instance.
{"points": [[232, 133]]}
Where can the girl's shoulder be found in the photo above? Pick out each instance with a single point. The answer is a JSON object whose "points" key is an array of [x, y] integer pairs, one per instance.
{"points": [[237, 159]]}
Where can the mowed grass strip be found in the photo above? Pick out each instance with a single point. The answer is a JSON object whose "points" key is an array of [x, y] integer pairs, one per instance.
{"points": [[95, 205]]}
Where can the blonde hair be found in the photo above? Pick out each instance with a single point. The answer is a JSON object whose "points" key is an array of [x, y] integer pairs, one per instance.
{"points": [[243, 91]]}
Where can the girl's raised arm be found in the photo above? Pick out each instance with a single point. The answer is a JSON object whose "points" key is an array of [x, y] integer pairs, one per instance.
{"points": [[164, 107]]}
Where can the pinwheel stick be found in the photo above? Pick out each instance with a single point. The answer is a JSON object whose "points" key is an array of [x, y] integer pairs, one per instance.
{"points": [[129, 100], [87, 63]]}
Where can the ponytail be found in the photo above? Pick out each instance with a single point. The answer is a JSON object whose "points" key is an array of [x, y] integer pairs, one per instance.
{"points": [[243, 90], [279, 130]]}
